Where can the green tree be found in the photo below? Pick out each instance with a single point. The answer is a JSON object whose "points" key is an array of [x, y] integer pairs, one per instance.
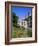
{"points": [[14, 18]]}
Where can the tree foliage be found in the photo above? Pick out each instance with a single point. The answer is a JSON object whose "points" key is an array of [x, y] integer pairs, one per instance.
{"points": [[14, 18]]}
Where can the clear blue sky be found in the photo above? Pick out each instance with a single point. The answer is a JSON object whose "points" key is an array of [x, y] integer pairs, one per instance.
{"points": [[21, 12]]}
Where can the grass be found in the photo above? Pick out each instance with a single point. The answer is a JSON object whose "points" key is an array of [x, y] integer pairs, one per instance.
{"points": [[20, 32], [29, 33]]}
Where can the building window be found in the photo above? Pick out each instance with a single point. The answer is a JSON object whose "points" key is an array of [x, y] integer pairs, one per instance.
{"points": [[22, 23]]}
